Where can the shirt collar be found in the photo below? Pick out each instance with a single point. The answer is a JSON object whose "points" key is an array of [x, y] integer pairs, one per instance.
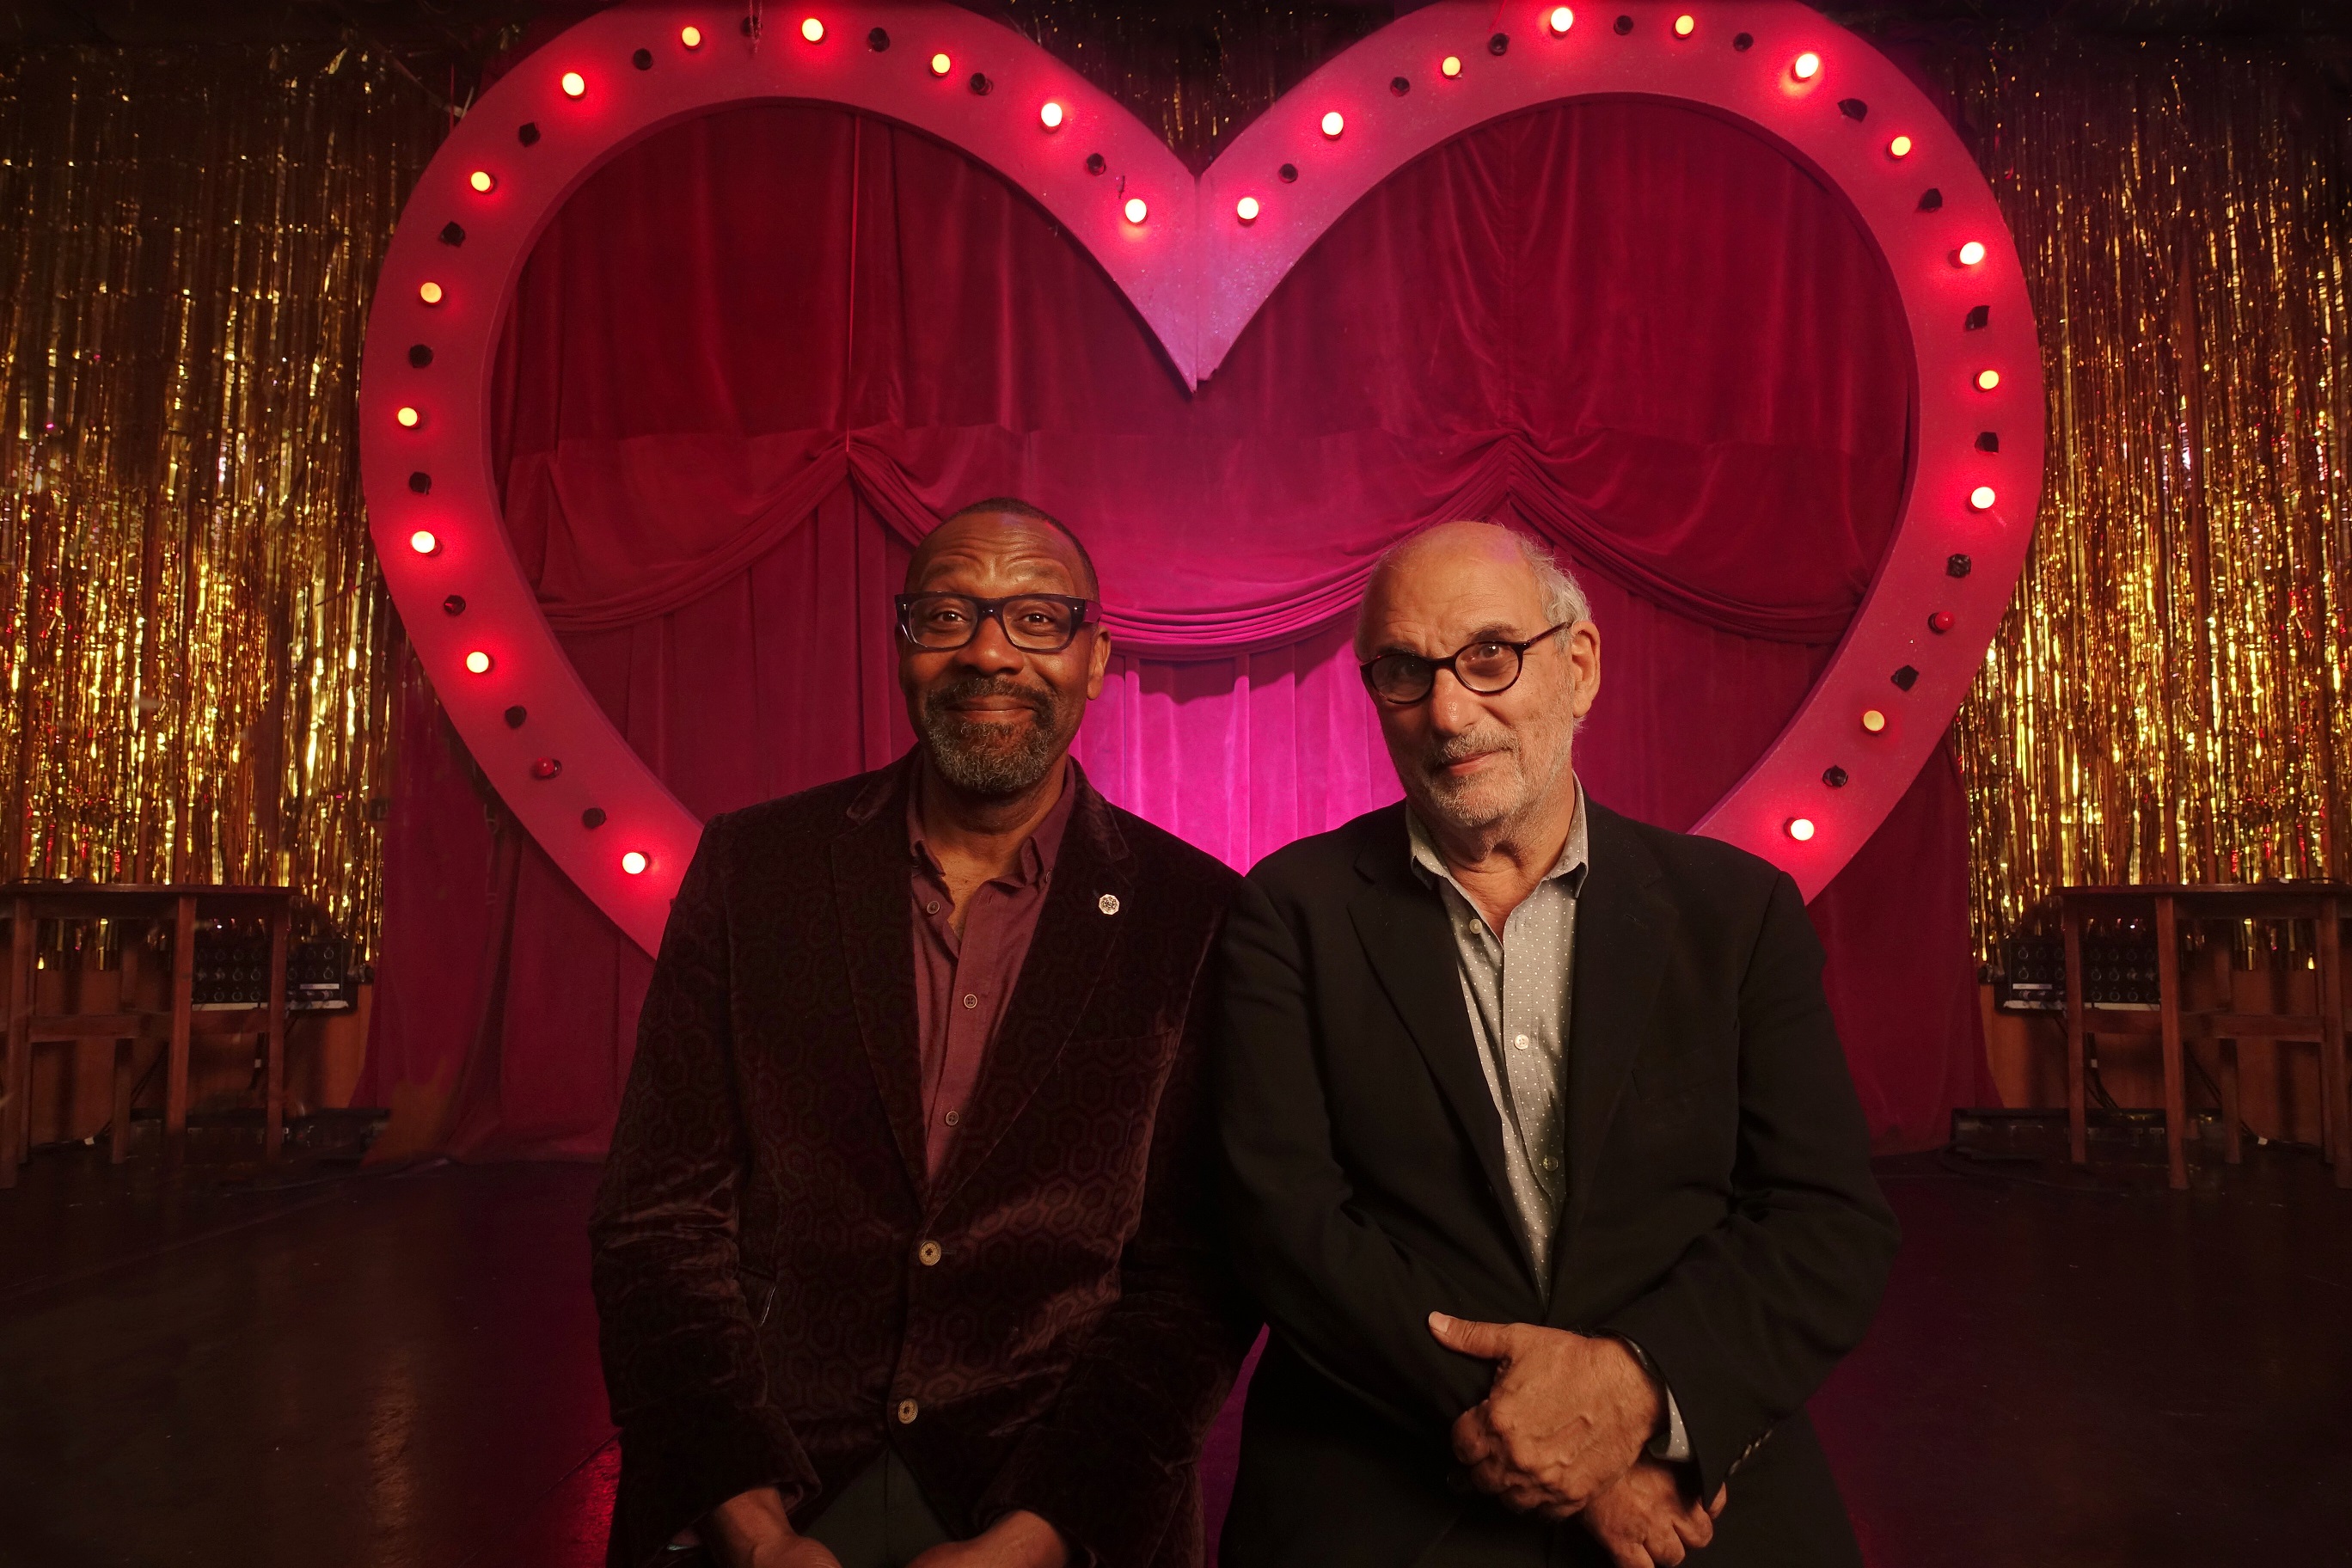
{"points": [[1574, 856], [1034, 864]]}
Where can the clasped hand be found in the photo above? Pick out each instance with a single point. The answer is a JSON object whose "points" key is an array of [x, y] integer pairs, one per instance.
{"points": [[1567, 1415], [1561, 1432]]}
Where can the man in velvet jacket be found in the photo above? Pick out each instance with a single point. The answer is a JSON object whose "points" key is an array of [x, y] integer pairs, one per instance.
{"points": [[901, 1251], [1544, 1161]]}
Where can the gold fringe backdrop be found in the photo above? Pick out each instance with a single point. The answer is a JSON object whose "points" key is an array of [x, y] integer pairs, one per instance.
{"points": [[2165, 701], [199, 662], [193, 639]]}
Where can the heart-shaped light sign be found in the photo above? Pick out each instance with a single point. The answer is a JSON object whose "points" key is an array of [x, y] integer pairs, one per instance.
{"points": [[1197, 259]]}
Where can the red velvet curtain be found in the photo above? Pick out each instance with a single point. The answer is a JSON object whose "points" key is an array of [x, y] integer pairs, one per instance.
{"points": [[756, 356]]}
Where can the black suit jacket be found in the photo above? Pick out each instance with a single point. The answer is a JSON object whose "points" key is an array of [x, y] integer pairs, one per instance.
{"points": [[1720, 1210]]}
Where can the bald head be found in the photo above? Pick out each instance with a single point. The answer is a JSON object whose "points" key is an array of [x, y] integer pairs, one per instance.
{"points": [[1026, 534], [1482, 557]]}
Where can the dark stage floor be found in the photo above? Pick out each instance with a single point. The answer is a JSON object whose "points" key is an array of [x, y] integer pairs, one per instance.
{"points": [[400, 1369]]}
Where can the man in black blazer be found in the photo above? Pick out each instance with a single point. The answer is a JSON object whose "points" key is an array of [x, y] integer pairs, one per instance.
{"points": [[1541, 1154]]}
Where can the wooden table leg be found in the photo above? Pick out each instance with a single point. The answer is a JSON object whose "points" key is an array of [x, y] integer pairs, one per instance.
{"points": [[273, 1121], [2332, 1111], [2236, 1146], [183, 1017], [2176, 1086], [2078, 1130], [118, 1144], [15, 1073]]}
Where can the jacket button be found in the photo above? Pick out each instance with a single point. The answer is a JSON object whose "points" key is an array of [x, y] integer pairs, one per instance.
{"points": [[907, 1411], [928, 1254]]}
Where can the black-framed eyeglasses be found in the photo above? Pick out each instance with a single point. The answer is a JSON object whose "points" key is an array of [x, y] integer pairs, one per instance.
{"points": [[1485, 666], [1034, 623]]}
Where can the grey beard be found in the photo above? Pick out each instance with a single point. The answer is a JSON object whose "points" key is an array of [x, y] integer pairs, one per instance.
{"points": [[973, 758], [1450, 802]]}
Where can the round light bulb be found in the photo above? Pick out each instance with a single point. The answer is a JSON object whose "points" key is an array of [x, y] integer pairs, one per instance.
{"points": [[479, 662], [634, 863], [1971, 253], [1685, 25], [1050, 116], [1135, 209], [1560, 20], [574, 84], [1246, 209], [1801, 828], [1333, 124], [1899, 148], [1872, 719], [812, 29], [690, 37], [942, 65], [1987, 380], [422, 543], [429, 291], [482, 180], [1807, 66], [1450, 67], [407, 417], [1981, 498]]}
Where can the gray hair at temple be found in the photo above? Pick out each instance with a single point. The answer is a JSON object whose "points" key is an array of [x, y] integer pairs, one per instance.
{"points": [[1563, 595]]}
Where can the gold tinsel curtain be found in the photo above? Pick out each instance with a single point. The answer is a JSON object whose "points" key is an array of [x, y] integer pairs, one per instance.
{"points": [[199, 662], [194, 642], [2165, 701]]}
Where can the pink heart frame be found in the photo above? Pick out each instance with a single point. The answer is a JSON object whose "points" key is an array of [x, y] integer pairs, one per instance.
{"points": [[1196, 269]]}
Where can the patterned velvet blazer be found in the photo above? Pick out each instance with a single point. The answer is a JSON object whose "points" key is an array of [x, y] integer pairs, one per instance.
{"points": [[1047, 1326]]}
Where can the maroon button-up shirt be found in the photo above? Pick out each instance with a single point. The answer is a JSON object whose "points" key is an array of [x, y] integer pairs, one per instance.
{"points": [[961, 983]]}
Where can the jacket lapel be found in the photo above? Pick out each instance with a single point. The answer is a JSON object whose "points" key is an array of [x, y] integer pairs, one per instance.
{"points": [[1406, 935], [1622, 930], [1072, 949], [870, 872]]}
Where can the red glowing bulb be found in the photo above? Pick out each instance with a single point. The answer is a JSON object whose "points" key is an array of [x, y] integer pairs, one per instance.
{"points": [[690, 37], [635, 864], [1333, 124], [1450, 67], [1899, 148], [1941, 622], [422, 543], [1808, 67], [1050, 116], [1135, 209], [1981, 498], [812, 29], [478, 663], [482, 180], [1246, 209], [1559, 20], [1685, 25], [574, 84], [1970, 254], [1801, 828], [942, 65], [429, 291], [1987, 380], [407, 417], [1872, 719]]}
